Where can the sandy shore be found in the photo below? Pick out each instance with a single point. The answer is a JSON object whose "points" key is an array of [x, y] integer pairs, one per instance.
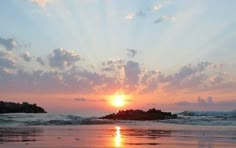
{"points": [[123, 135]]}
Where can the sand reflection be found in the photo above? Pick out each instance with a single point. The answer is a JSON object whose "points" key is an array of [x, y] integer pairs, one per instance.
{"points": [[118, 137]]}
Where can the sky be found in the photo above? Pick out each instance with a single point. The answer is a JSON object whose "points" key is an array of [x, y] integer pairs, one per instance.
{"points": [[76, 55]]}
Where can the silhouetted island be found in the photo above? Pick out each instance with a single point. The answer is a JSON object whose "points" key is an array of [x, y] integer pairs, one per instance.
{"points": [[151, 114], [10, 107]]}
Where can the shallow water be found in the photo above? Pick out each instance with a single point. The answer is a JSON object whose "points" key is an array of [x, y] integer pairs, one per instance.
{"points": [[119, 135]]}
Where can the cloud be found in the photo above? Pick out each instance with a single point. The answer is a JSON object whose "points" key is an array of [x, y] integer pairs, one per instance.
{"points": [[131, 52], [26, 56], [157, 7], [67, 76], [132, 71], [62, 58], [150, 81], [130, 16], [89, 100], [40, 61], [169, 18], [41, 3], [140, 13], [158, 21], [188, 70], [189, 77], [218, 78], [8, 43], [112, 65], [6, 61], [133, 15], [165, 18], [209, 101]]}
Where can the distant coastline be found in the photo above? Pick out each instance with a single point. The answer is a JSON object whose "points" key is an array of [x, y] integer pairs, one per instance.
{"points": [[11, 107]]}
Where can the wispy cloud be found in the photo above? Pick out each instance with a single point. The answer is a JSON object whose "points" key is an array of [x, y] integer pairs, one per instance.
{"points": [[89, 100], [41, 3], [96, 100], [157, 7], [133, 15], [130, 16]]}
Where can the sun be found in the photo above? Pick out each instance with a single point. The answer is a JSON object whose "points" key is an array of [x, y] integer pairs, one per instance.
{"points": [[118, 100]]}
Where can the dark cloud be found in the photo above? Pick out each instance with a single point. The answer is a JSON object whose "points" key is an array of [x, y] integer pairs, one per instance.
{"points": [[61, 58], [40, 61], [131, 52], [8, 43], [26, 56], [165, 18], [158, 21]]}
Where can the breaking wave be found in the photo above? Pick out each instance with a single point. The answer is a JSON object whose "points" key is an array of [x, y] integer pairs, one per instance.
{"points": [[224, 118], [47, 119]]}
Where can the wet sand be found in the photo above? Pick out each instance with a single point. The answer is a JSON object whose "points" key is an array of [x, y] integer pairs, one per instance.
{"points": [[122, 135]]}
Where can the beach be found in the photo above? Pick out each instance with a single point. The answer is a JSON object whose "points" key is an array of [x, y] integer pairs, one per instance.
{"points": [[135, 134]]}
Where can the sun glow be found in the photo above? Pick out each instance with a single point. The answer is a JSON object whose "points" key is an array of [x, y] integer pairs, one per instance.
{"points": [[118, 99]]}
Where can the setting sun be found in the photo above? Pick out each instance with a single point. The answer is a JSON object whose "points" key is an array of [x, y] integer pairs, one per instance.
{"points": [[118, 100]]}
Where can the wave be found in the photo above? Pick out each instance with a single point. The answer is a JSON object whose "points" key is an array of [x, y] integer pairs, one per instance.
{"points": [[47, 119], [186, 117], [218, 114], [223, 118]]}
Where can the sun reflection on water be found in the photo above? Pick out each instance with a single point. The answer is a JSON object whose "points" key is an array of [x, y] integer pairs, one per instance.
{"points": [[118, 138]]}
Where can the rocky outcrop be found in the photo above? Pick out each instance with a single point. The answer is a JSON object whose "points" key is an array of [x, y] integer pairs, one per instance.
{"points": [[10, 107], [151, 114]]}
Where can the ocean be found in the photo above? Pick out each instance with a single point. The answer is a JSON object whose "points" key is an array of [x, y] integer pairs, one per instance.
{"points": [[190, 130]]}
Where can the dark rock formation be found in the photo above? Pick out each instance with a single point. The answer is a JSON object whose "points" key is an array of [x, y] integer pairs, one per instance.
{"points": [[10, 107], [151, 114]]}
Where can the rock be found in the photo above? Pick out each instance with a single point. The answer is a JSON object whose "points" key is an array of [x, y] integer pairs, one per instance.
{"points": [[10, 107], [151, 114]]}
